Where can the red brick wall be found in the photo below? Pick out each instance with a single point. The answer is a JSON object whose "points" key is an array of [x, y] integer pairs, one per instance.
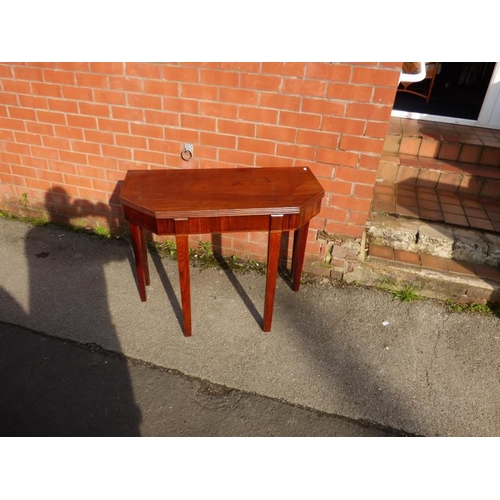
{"points": [[70, 131]]}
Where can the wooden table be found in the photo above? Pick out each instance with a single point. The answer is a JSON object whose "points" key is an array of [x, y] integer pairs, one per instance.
{"points": [[183, 202]]}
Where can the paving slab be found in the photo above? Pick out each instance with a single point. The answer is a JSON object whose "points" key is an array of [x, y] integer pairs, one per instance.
{"points": [[358, 353]]}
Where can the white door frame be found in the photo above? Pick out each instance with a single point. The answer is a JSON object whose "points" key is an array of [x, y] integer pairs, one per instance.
{"points": [[489, 116]]}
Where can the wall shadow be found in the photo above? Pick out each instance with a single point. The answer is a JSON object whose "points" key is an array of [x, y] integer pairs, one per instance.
{"points": [[59, 391]]}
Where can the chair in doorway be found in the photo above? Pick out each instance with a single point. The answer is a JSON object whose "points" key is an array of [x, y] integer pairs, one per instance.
{"points": [[418, 78]]}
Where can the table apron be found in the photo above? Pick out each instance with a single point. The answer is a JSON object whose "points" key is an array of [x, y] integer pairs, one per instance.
{"points": [[220, 224]]}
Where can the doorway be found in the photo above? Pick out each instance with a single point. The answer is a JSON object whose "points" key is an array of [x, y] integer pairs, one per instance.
{"points": [[458, 94]]}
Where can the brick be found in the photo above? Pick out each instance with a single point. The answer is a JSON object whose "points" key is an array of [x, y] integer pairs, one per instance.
{"points": [[69, 132], [344, 229], [107, 68], [74, 66], [205, 152], [158, 87], [198, 122], [323, 107], [102, 161], [24, 138], [280, 101], [294, 151], [406, 257], [50, 176], [146, 130], [126, 84], [119, 126], [218, 110], [45, 152], [91, 80], [82, 121], [56, 142], [201, 92], [303, 87], [356, 175], [236, 157], [260, 115], [182, 135], [218, 140], [180, 105], [125, 113], [284, 68], [283, 134], [25, 73], [376, 130], [116, 152], [86, 147], [60, 166], [368, 112], [260, 82], [371, 76], [363, 191], [239, 96], [333, 214], [63, 105], [12, 124], [349, 92], [180, 74], [133, 141], [358, 218], [110, 97], [77, 93], [236, 127], [221, 78], [21, 113], [100, 110], [58, 76], [382, 252], [17, 86], [263, 160], [143, 70], [257, 145], [315, 138], [144, 101], [149, 157], [343, 125], [299, 120], [336, 186], [248, 67], [337, 157], [334, 72], [12, 99], [72, 157], [51, 117], [162, 118], [349, 203], [40, 128], [384, 95], [99, 137], [363, 144]]}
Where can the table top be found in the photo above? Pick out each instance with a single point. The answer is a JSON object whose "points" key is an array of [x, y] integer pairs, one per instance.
{"points": [[180, 193]]}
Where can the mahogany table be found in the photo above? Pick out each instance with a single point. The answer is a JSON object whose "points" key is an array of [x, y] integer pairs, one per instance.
{"points": [[183, 202]]}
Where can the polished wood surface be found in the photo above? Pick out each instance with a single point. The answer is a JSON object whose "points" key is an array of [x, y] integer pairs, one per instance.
{"points": [[184, 202]]}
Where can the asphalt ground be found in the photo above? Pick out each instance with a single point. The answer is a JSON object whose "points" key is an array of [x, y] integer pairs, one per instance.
{"points": [[340, 360]]}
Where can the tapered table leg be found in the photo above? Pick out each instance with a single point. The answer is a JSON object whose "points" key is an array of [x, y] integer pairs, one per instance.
{"points": [[183, 264], [273, 254], [140, 259], [299, 248]]}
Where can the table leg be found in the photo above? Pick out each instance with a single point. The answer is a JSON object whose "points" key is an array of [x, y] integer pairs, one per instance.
{"points": [[183, 263], [299, 248], [141, 259], [273, 254]]}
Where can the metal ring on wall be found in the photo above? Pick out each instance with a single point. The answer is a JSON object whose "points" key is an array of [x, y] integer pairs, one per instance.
{"points": [[186, 154]]}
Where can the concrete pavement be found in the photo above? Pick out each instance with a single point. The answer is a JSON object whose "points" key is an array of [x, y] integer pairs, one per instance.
{"points": [[357, 353]]}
